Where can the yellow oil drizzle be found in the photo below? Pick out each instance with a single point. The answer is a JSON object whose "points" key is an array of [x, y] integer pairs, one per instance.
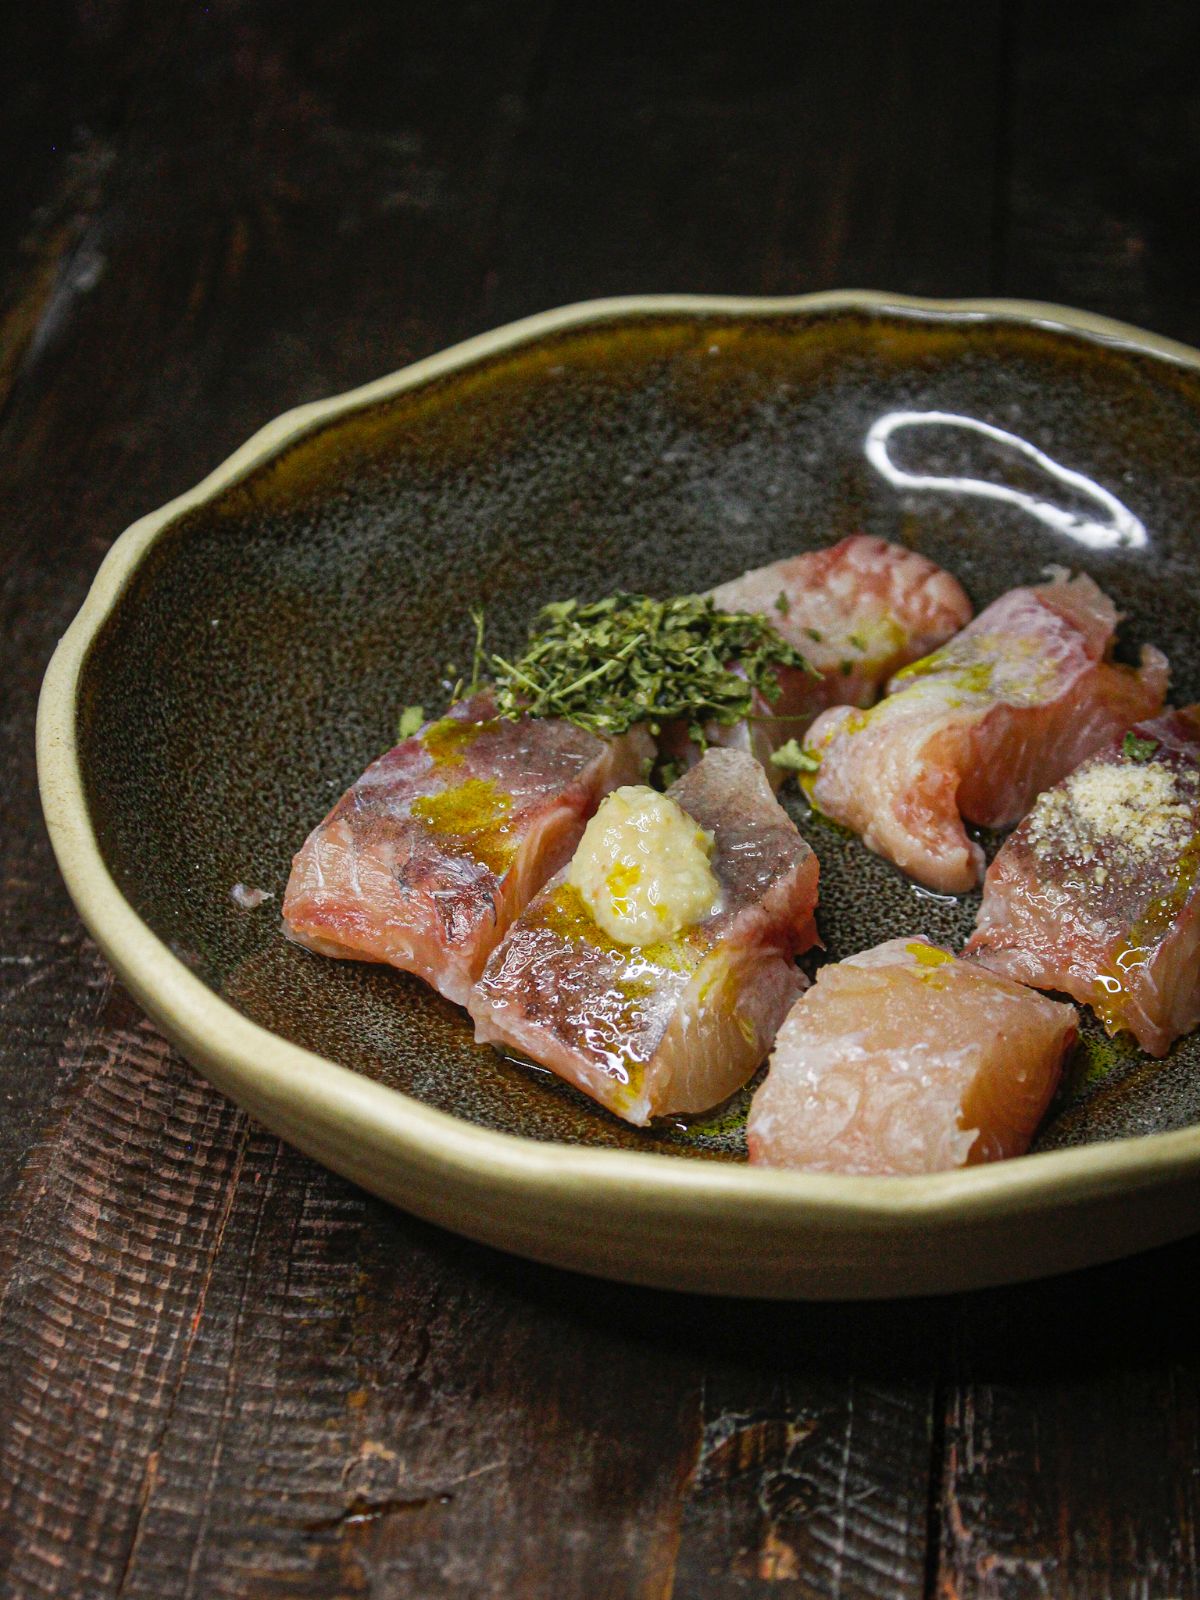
{"points": [[877, 641], [807, 780], [565, 913], [473, 818], [626, 875], [926, 666], [968, 678], [720, 993], [927, 955], [448, 740], [929, 962], [1110, 997], [969, 667]]}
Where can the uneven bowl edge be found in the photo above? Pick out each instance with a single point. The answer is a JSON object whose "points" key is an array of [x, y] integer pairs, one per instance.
{"points": [[643, 1218]]}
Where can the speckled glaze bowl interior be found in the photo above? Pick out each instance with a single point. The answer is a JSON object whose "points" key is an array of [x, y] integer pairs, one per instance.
{"points": [[257, 654]]}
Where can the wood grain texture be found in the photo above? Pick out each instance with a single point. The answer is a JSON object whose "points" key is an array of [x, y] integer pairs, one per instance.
{"points": [[60, 85], [676, 147], [1072, 1437], [90, 1346], [224, 1372], [379, 1419], [816, 1456], [1103, 161], [62, 80]]}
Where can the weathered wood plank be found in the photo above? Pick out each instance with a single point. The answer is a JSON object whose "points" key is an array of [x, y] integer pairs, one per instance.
{"points": [[1104, 161], [61, 83], [109, 1250], [62, 79], [817, 1452], [227, 1372], [1073, 1436], [792, 148], [397, 1413]]}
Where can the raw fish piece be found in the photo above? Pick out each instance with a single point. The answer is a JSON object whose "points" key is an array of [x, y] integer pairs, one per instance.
{"points": [[977, 729], [426, 860], [857, 611], [905, 1060], [679, 1025], [1096, 893]]}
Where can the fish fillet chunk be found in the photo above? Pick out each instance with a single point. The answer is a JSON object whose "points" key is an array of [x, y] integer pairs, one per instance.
{"points": [[904, 1060], [426, 860], [678, 1025], [976, 730], [857, 610], [1097, 893]]}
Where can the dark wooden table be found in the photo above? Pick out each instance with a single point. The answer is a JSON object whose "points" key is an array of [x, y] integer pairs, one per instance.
{"points": [[224, 1372]]}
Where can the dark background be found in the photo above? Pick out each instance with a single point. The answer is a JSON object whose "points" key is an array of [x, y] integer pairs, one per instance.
{"points": [[224, 1372]]}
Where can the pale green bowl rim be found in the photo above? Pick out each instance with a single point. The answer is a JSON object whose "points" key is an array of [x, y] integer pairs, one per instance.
{"points": [[488, 1184]]}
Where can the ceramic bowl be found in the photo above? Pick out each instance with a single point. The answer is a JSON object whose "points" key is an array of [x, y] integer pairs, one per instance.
{"points": [[246, 651]]}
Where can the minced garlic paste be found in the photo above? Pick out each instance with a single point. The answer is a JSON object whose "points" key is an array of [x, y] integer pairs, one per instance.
{"points": [[642, 867]]}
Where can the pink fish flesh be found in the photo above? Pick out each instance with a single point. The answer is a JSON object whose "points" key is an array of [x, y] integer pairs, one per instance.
{"points": [[425, 861], [977, 729], [904, 1060], [857, 611], [1097, 893], [679, 1025]]}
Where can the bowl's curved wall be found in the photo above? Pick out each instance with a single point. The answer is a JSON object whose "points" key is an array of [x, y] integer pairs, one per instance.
{"points": [[254, 655]]}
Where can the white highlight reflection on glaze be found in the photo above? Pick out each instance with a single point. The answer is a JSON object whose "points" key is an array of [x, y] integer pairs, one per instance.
{"points": [[1121, 529]]}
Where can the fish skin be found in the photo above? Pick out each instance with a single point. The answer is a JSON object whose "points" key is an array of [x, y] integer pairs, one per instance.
{"points": [[904, 1060], [977, 730], [1050, 920], [375, 881], [875, 605], [678, 1026]]}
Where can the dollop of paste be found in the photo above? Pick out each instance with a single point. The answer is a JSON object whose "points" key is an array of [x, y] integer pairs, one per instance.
{"points": [[643, 867]]}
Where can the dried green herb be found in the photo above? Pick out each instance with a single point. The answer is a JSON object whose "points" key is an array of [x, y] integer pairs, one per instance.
{"points": [[610, 664], [461, 690], [1138, 749], [411, 718], [782, 604], [477, 652], [793, 757]]}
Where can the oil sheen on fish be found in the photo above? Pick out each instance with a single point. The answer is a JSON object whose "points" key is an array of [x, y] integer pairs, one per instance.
{"points": [[904, 1060], [678, 1025], [1097, 893], [977, 729], [857, 611], [427, 859]]}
